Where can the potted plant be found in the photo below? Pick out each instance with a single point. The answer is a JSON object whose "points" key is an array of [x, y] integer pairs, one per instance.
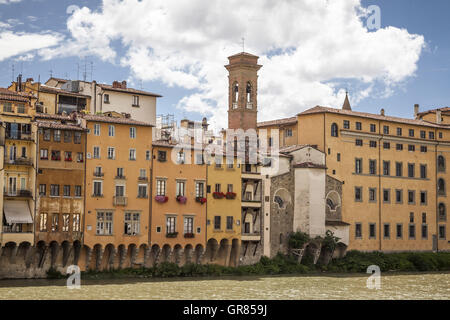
{"points": [[218, 195], [181, 199], [231, 195], [171, 234], [161, 199], [200, 200]]}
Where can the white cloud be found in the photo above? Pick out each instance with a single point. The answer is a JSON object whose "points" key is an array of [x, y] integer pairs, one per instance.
{"points": [[9, 1], [13, 44], [304, 46]]}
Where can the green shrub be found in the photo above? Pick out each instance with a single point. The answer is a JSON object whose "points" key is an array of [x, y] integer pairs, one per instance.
{"points": [[298, 239]]}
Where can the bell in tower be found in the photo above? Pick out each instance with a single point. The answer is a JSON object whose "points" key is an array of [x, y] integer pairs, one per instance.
{"points": [[243, 83]]}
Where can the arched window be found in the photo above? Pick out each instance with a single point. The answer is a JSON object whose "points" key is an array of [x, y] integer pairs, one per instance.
{"points": [[441, 187], [334, 130], [249, 92], [281, 239], [441, 164], [442, 214], [235, 91]]}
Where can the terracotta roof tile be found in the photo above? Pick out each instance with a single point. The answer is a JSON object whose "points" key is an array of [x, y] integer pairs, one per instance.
{"points": [[99, 118], [284, 121], [309, 165], [9, 95], [129, 90], [58, 125]]}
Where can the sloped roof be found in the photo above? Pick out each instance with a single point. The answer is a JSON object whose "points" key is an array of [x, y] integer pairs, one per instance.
{"points": [[58, 125], [9, 95], [309, 165], [129, 90], [284, 121], [99, 118]]}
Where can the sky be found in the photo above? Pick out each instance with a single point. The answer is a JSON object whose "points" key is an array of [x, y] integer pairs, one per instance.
{"points": [[312, 51]]}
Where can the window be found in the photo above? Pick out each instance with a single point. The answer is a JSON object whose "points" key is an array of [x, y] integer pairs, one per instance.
{"points": [[387, 195], [77, 191], [188, 225], [98, 189], [171, 225], [441, 164], [386, 145], [442, 233], [200, 189], [423, 134], [411, 217], [111, 153], [57, 135], [181, 185], [47, 134], [424, 217], [373, 166], [288, 132], [96, 129], [411, 132], [56, 155], [55, 222], [229, 188], [106, 98], [65, 222], [358, 194], [358, 166], [411, 197], [440, 135], [399, 229], [132, 154], [334, 130], [229, 223], [160, 187], [96, 152], [162, 156], [431, 135], [398, 196], [411, 148], [372, 230], [423, 149], [270, 141], [399, 147], [104, 223], [67, 156], [76, 222], [80, 157], [77, 137], [132, 224], [44, 154], [423, 171], [142, 174], [66, 191], [386, 230], [217, 187], [120, 191], [358, 126], [442, 212], [7, 107], [359, 142], [386, 168], [372, 194], [441, 187], [132, 132], [67, 136], [346, 124], [54, 190], [373, 128], [411, 170], [412, 231], [111, 130], [142, 191], [147, 154], [43, 222], [385, 129], [399, 131], [338, 157], [217, 222], [42, 189], [135, 101], [358, 230], [373, 144], [399, 169]]}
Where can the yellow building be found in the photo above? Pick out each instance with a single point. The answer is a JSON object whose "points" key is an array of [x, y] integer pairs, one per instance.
{"points": [[224, 221], [287, 131], [19, 169], [118, 163]]}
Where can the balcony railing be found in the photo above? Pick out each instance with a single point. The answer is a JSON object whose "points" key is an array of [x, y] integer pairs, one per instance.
{"points": [[120, 201], [20, 161], [19, 136], [120, 177], [19, 193], [98, 174], [142, 178]]}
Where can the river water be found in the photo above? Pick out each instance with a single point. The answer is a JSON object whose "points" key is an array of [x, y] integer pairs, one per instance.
{"points": [[398, 286]]}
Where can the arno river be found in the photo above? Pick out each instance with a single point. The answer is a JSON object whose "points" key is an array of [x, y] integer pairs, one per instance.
{"points": [[399, 286]]}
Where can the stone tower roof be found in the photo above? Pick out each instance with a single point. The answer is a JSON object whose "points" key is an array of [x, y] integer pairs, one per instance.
{"points": [[346, 105]]}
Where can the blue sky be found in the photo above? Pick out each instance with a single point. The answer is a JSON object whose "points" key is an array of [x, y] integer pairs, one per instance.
{"points": [[196, 95]]}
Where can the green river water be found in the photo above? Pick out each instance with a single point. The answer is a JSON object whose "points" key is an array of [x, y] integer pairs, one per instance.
{"points": [[393, 286]]}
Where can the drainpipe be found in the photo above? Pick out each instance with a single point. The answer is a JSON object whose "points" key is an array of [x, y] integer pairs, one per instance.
{"points": [[150, 213], [436, 195], [379, 185], [85, 187]]}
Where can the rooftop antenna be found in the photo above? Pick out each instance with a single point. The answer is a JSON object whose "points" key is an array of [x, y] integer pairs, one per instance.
{"points": [[51, 73], [92, 69], [84, 73], [243, 44], [78, 71], [13, 72]]}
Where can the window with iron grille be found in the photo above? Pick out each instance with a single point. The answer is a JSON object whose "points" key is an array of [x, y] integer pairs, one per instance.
{"points": [[132, 223]]}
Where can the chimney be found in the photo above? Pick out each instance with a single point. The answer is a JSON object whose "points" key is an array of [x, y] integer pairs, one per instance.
{"points": [[416, 111], [438, 116], [30, 80], [19, 83], [116, 84], [382, 112], [124, 84]]}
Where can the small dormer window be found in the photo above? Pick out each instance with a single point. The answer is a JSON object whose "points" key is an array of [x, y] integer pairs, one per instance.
{"points": [[106, 98]]}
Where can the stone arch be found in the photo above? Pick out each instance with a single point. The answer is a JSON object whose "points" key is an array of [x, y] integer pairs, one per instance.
{"points": [[188, 254], [96, 257], [441, 163], [76, 252], [248, 92], [333, 201], [141, 255], [166, 253], [334, 130], [282, 197], [54, 253], [442, 212], [212, 247], [84, 257], [39, 255], [10, 251], [234, 254], [340, 250], [107, 262], [312, 252], [223, 253], [120, 256], [155, 254], [198, 254], [131, 256], [441, 187], [235, 92], [23, 254], [67, 251], [177, 253]]}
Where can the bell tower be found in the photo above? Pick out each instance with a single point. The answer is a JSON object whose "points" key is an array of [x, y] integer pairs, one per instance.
{"points": [[242, 91]]}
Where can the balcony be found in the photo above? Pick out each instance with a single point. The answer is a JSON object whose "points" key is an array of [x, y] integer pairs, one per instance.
{"points": [[254, 236], [19, 162], [19, 194], [143, 179], [120, 177], [189, 235], [120, 201], [98, 174], [19, 136], [171, 235]]}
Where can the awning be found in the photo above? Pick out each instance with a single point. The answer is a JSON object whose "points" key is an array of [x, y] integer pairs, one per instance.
{"points": [[17, 211]]}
